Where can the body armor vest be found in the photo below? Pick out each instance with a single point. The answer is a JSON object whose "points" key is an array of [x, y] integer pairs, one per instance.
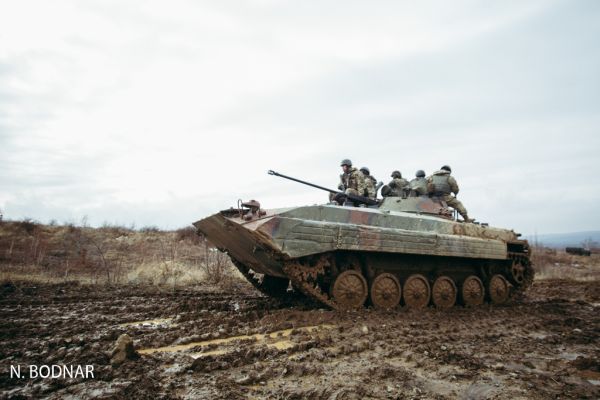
{"points": [[419, 185], [398, 183], [440, 184]]}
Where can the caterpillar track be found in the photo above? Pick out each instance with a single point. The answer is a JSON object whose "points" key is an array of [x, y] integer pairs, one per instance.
{"points": [[355, 287]]}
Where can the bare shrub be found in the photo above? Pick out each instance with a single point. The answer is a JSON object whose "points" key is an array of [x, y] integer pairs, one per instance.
{"points": [[188, 233], [110, 247], [150, 229], [28, 225], [216, 265], [72, 253], [100, 246]]}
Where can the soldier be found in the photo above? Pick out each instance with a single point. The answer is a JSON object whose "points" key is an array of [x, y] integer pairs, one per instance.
{"points": [[352, 181], [396, 186], [419, 184], [370, 184], [441, 184]]}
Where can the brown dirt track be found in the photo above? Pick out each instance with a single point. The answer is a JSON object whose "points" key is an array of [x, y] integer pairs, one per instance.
{"points": [[543, 345]]}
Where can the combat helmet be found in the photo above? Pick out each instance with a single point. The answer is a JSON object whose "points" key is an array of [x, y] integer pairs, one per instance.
{"points": [[346, 161], [365, 170], [396, 174], [420, 173], [446, 168]]}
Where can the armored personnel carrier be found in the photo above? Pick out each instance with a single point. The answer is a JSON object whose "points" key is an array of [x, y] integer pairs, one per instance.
{"points": [[406, 251]]}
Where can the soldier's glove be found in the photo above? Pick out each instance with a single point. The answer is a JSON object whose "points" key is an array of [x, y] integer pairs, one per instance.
{"points": [[341, 187]]}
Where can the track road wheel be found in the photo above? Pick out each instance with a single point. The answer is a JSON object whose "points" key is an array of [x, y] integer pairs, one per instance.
{"points": [[416, 291], [350, 290], [499, 290], [443, 292], [385, 291], [518, 273], [472, 291]]}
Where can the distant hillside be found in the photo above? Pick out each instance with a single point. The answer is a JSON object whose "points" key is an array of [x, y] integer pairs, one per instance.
{"points": [[575, 239]]}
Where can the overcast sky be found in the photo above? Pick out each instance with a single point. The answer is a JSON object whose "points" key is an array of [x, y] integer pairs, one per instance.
{"points": [[160, 113]]}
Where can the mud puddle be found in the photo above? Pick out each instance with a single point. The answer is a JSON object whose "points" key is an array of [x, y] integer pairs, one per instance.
{"points": [[208, 347]]}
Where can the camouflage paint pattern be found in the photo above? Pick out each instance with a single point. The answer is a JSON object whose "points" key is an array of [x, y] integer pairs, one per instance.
{"points": [[404, 226]]}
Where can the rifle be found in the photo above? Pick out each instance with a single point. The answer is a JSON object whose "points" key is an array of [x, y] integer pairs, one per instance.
{"points": [[352, 197]]}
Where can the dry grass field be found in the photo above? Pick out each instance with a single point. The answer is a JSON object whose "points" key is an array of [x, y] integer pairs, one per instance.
{"points": [[108, 255], [557, 264]]}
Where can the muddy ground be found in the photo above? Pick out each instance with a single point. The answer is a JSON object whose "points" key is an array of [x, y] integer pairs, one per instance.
{"points": [[211, 343]]}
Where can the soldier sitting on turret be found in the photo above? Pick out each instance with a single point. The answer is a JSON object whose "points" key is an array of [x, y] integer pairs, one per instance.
{"points": [[418, 186], [370, 184], [396, 187], [352, 181], [441, 184]]}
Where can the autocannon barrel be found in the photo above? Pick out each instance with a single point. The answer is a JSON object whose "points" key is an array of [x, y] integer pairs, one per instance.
{"points": [[354, 198]]}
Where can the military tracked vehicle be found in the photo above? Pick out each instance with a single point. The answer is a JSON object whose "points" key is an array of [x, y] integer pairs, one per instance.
{"points": [[399, 251]]}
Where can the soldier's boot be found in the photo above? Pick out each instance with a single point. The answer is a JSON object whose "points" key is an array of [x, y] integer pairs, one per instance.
{"points": [[466, 217], [463, 213]]}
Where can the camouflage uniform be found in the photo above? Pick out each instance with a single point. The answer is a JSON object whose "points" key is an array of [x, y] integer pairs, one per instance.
{"points": [[353, 182], [442, 184], [396, 186], [370, 185], [419, 186]]}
